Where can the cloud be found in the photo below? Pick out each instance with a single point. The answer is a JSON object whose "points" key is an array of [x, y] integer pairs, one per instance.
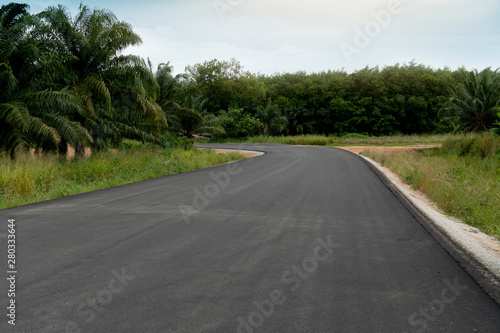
{"points": [[290, 35]]}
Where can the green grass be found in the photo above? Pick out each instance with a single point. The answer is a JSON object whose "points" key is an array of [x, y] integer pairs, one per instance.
{"points": [[462, 178], [346, 140], [29, 179]]}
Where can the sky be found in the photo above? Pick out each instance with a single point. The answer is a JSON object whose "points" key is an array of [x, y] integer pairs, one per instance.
{"points": [[277, 36]]}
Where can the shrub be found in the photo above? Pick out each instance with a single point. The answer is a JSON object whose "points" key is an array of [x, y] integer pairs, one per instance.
{"points": [[238, 124], [173, 141]]}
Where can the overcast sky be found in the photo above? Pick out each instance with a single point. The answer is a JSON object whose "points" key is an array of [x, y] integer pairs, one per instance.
{"points": [[270, 36]]}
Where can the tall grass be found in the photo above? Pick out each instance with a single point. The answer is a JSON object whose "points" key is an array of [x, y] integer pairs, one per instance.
{"points": [[348, 139], [484, 145], [456, 177], [31, 179]]}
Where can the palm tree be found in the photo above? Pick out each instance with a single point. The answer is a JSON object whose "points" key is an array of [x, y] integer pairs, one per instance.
{"points": [[171, 87], [298, 118], [475, 101], [134, 91], [29, 112], [193, 121], [272, 118], [190, 120], [117, 91]]}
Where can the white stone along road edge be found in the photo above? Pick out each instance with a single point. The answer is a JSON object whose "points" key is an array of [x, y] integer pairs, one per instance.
{"points": [[256, 153]]}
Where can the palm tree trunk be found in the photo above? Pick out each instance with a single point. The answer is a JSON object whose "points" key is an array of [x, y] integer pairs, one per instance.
{"points": [[63, 147], [80, 150]]}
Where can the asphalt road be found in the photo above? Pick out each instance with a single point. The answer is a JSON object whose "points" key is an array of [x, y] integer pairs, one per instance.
{"points": [[301, 239]]}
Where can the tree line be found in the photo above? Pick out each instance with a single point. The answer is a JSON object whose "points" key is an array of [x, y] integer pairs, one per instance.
{"points": [[65, 81], [401, 99]]}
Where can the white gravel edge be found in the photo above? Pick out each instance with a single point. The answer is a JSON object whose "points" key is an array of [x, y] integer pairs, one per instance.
{"points": [[480, 246], [257, 153]]}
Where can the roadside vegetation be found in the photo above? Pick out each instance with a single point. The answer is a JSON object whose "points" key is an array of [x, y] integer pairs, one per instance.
{"points": [[31, 179], [66, 82], [65, 79], [345, 140], [462, 177]]}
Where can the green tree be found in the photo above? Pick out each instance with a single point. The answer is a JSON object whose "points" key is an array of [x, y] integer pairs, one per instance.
{"points": [[273, 119], [238, 123], [339, 117], [192, 120], [30, 112], [170, 87], [474, 104], [117, 91], [250, 91], [216, 82], [300, 119]]}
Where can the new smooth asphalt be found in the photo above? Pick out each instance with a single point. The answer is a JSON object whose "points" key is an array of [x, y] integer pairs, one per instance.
{"points": [[301, 239]]}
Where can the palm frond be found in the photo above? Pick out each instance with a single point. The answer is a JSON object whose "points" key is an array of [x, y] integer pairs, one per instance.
{"points": [[16, 142], [8, 82], [39, 128], [72, 131], [63, 101], [97, 87], [11, 13], [475, 101], [132, 132], [16, 115]]}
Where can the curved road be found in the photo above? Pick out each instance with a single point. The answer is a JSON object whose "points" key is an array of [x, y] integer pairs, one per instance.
{"points": [[301, 239]]}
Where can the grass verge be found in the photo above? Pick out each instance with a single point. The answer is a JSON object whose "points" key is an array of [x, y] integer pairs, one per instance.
{"points": [[461, 177], [29, 179], [346, 140]]}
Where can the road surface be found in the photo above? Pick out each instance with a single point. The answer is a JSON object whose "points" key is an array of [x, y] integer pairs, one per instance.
{"points": [[301, 239]]}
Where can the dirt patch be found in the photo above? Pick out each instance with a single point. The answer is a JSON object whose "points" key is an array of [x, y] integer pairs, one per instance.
{"points": [[244, 153], [383, 149]]}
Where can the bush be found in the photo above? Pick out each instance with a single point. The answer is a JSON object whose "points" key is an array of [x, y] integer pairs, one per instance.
{"points": [[173, 141], [239, 124]]}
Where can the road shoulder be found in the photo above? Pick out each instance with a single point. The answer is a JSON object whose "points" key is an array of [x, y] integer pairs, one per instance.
{"points": [[477, 252]]}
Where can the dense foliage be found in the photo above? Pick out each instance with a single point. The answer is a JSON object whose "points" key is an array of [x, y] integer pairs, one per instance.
{"points": [[396, 99], [65, 80]]}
